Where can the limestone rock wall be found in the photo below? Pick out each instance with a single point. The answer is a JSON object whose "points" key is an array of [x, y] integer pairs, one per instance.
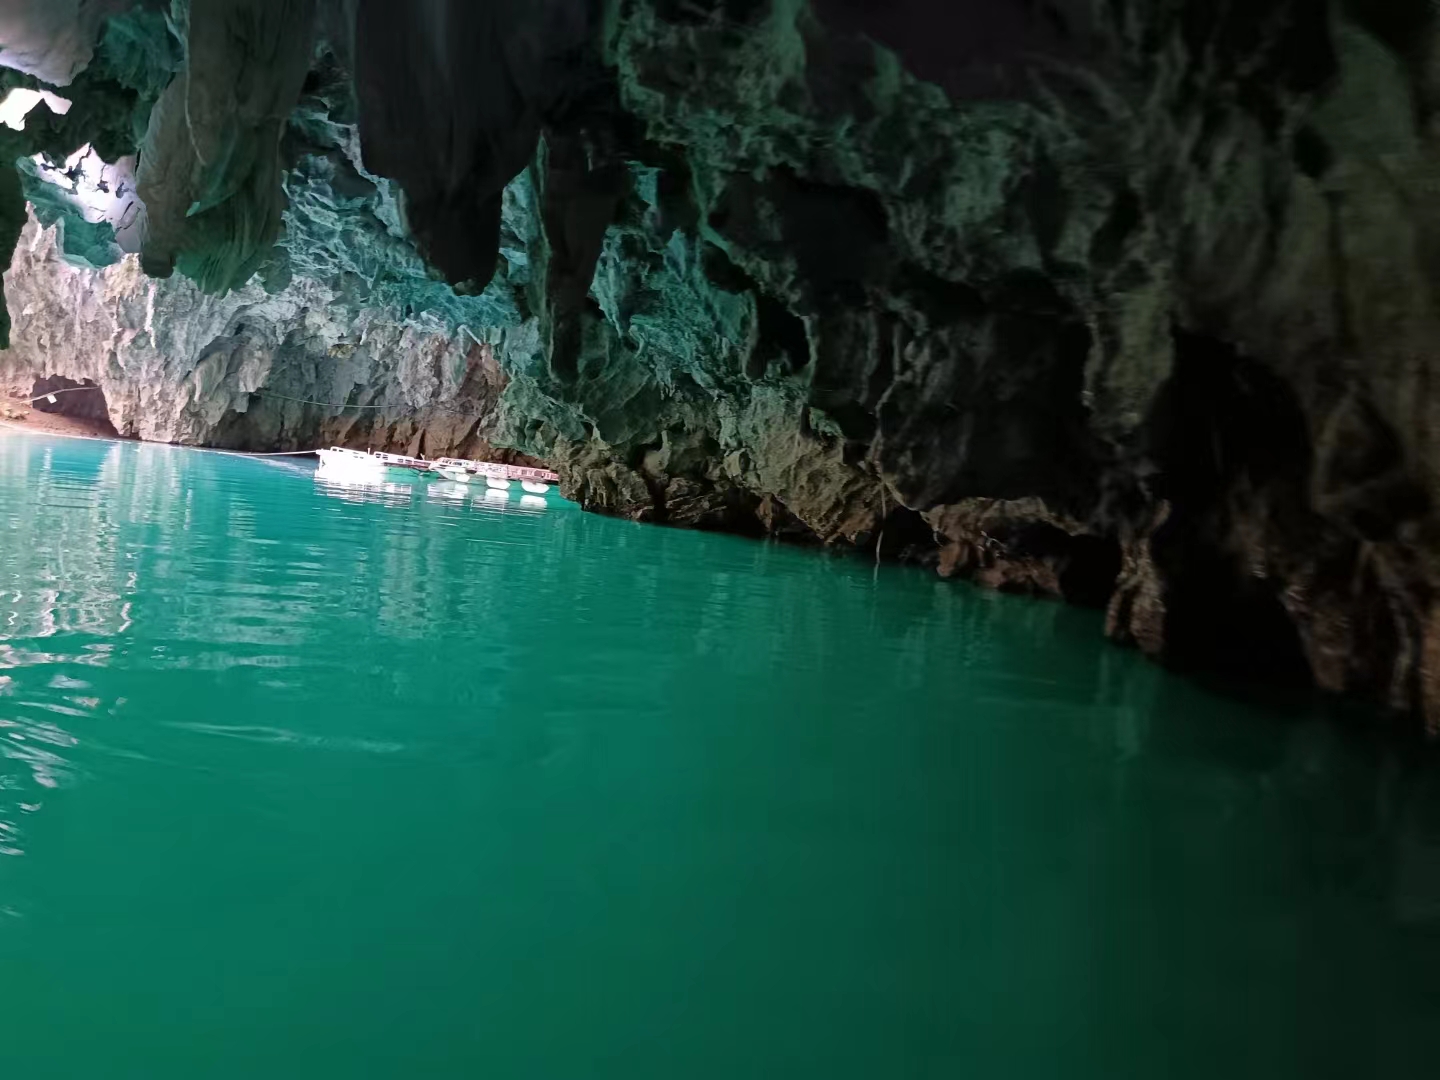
{"points": [[1131, 303], [1152, 327], [179, 365]]}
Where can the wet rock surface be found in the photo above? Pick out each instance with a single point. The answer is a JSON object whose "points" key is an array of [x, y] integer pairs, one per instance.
{"points": [[1130, 304]]}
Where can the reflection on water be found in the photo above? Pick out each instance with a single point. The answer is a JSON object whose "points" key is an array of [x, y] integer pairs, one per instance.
{"points": [[778, 808], [66, 582], [346, 486], [91, 527], [340, 486], [77, 582]]}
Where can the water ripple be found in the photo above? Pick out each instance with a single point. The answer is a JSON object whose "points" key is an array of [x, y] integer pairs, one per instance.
{"points": [[249, 719], [282, 737]]}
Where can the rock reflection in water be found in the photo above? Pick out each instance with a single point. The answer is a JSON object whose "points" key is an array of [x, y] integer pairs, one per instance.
{"points": [[67, 583]]}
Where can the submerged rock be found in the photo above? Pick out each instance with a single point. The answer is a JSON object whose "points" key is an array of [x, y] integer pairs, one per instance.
{"points": [[1127, 303]]}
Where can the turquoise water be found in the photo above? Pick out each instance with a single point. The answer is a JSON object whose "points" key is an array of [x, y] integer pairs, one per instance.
{"points": [[307, 781]]}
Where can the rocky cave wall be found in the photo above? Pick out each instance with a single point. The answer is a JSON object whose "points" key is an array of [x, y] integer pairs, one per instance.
{"points": [[1127, 302], [243, 370]]}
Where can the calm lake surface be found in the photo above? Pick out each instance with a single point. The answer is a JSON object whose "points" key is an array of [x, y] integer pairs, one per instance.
{"points": [[308, 781]]}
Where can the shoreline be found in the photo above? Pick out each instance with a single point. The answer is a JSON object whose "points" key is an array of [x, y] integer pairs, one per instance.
{"points": [[20, 414], [23, 428]]}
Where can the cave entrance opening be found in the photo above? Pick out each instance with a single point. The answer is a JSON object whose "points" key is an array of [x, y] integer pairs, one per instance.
{"points": [[1233, 450], [83, 401]]}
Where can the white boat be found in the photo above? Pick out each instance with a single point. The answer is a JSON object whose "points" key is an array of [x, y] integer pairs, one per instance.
{"points": [[404, 467], [459, 476], [355, 464], [359, 465], [339, 456]]}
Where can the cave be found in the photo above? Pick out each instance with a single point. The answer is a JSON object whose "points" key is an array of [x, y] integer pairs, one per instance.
{"points": [[1227, 435], [1227, 627], [56, 395], [856, 301], [720, 538], [891, 304]]}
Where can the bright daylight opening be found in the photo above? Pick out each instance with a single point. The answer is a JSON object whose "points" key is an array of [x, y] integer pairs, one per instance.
{"points": [[20, 101]]}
